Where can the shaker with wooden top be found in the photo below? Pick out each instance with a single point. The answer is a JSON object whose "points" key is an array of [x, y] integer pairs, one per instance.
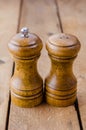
{"points": [[61, 84], [26, 84]]}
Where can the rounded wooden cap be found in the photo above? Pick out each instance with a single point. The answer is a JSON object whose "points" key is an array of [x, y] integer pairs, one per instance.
{"points": [[63, 45], [25, 45]]}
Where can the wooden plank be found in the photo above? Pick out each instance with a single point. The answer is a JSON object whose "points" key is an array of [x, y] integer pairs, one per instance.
{"points": [[40, 16], [4, 92], [8, 25], [73, 16]]}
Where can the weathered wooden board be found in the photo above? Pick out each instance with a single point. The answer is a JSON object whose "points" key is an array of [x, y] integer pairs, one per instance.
{"points": [[8, 25], [41, 18], [73, 17]]}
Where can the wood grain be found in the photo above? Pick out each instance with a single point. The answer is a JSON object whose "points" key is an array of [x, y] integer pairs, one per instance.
{"points": [[8, 26], [61, 84], [40, 16], [73, 16], [26, 84]]}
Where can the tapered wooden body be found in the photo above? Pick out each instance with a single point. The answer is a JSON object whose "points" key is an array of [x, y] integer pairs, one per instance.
{"points": [[26, 84], [61, 84]]}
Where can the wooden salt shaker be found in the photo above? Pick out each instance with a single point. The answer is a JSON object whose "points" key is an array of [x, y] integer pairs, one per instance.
{"points": [[26, 84], [61, 84]]}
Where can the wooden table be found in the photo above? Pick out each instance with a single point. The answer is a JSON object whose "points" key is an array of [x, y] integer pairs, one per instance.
{"points": [[43, 17]]}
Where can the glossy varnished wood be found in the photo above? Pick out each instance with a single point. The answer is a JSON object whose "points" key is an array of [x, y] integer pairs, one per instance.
{"points": [[26, 84], [61, 84]]}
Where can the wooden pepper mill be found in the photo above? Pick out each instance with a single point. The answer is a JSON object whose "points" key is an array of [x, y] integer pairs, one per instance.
{"points": [[26, 84], [61, 84]]}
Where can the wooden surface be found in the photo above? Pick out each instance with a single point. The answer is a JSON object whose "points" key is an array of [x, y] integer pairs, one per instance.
{"points": [[42, 17], [8, 26], [74, 21], [42, 20]]}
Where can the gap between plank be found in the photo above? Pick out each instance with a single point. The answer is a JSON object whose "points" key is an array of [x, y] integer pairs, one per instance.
{"points": [[58, 15], [76, 105], [78, 114], [9, 102]]}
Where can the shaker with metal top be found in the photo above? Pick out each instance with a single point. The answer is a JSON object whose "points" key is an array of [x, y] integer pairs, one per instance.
{"points": [[26, 84], [61, 84]]}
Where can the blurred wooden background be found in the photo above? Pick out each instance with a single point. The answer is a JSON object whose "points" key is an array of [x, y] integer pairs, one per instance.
{"points": [[43, 17]]}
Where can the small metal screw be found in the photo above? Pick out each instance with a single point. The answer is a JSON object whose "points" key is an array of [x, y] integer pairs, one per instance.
{"points": [[25, 32]]}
